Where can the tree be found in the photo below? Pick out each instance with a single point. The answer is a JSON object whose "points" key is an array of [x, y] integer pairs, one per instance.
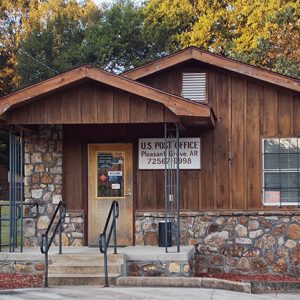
{"points": [[117, 42], [261, 32], [12, 14], [53, 43]]}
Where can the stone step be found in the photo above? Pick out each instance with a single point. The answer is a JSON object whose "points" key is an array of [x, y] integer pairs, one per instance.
{"points": [[81, 268], [84, 279], [92, 259]]}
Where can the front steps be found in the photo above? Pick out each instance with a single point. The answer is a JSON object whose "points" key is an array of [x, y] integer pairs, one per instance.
{"points": [[84, 269]]}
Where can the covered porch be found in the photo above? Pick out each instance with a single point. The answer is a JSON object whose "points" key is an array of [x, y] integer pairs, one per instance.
{"points": [[61, 117]]}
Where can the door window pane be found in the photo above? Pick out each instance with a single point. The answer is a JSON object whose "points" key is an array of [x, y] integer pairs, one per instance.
{"points": [[110, 175]]}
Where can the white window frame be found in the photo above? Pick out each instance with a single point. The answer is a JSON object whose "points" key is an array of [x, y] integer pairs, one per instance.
{"points": [[294, 170]]}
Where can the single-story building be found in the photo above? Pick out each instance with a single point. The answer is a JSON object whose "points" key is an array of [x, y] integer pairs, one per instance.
{"points": [[91, 137]]}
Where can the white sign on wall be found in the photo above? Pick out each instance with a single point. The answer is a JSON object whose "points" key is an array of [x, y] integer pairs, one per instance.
{"points": [[152, 153]]}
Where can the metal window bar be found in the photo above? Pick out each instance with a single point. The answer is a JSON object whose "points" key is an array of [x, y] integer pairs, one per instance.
{"points": [[280, 202], [298, 171], [281, 170], [19, 217], [15, 188], [172, 203]]}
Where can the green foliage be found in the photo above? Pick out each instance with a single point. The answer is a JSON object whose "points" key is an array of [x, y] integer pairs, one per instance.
{"points": [[42, 37], [260, 32], [117, 42], [57, 31]]}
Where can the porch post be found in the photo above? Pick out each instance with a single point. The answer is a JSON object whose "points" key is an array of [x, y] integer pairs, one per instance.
{"points": [[172, 184]]}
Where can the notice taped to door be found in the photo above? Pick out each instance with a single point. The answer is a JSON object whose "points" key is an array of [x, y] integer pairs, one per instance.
{"points": [[152, 153]]}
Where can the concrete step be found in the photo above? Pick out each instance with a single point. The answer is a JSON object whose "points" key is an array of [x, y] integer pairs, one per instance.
{"points": [[92, 259], [83, 279], [191, 282], [81, 268]]}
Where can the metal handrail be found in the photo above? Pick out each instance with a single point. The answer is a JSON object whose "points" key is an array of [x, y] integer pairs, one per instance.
{"points": [[19, 216], [104, 239], [46, 242]]}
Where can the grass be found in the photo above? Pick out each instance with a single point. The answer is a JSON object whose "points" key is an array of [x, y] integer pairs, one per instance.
{"points": [[5, 225]]}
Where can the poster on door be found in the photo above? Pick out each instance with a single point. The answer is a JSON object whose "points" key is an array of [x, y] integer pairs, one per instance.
{"points": [[153, 155]]}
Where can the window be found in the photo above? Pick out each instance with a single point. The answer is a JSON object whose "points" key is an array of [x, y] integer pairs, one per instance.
{"points": [[194, 86], [281, 171], [110, 179]]}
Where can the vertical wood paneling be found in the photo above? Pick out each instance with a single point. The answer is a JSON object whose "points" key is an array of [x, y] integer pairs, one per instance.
{"points": [[72, 172], [169, 116], [189, 185], [211, 90], [221, 143], [139, 200], [54, 109], [155, 112], [88, 104], [71, 103], [105, 105], [237, 143], [161, 81], [138, 110], [174, 82], [148, 197], [253, 146], [296, 116], [159, 189], [19, 114], [121, 107], [37, 113], [207, 171], [270, 109], [231, 153], [285, 113]]}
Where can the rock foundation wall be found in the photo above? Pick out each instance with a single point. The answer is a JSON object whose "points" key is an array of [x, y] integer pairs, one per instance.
{"points": [[43, 184], [250, 243], [22, 267], [159, 268]]}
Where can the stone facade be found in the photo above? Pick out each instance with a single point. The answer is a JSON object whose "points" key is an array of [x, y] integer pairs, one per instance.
{"points": [[73, 229], [22, 266], [43, 183], [242, 243], [159, 268]]}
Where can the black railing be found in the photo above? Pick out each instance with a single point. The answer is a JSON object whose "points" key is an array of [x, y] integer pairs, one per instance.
{"points": [[104, 239], [14, 218], [46, 241]]}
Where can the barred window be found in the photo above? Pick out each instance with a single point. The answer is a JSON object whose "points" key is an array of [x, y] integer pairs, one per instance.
{"points": [[281, 171]]}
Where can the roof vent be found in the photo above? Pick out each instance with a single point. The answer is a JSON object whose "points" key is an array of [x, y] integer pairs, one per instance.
{"points": [[194, 86]]}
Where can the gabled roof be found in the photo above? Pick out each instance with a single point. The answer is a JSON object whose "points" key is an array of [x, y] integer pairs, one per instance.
{"points": [[215, 60], [178, 105]]}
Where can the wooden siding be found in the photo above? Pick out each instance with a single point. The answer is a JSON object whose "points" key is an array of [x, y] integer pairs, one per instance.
{"points": [[247, 110], [230, 179], [90, 103], [148, 184]]}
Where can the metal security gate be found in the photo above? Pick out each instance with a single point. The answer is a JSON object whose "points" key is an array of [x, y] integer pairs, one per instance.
{"points": [[11, 212], [15, 188], [172, 194]]}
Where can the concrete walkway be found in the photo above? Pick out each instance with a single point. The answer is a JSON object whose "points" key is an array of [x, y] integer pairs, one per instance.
{"points": [[92, 292]]}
